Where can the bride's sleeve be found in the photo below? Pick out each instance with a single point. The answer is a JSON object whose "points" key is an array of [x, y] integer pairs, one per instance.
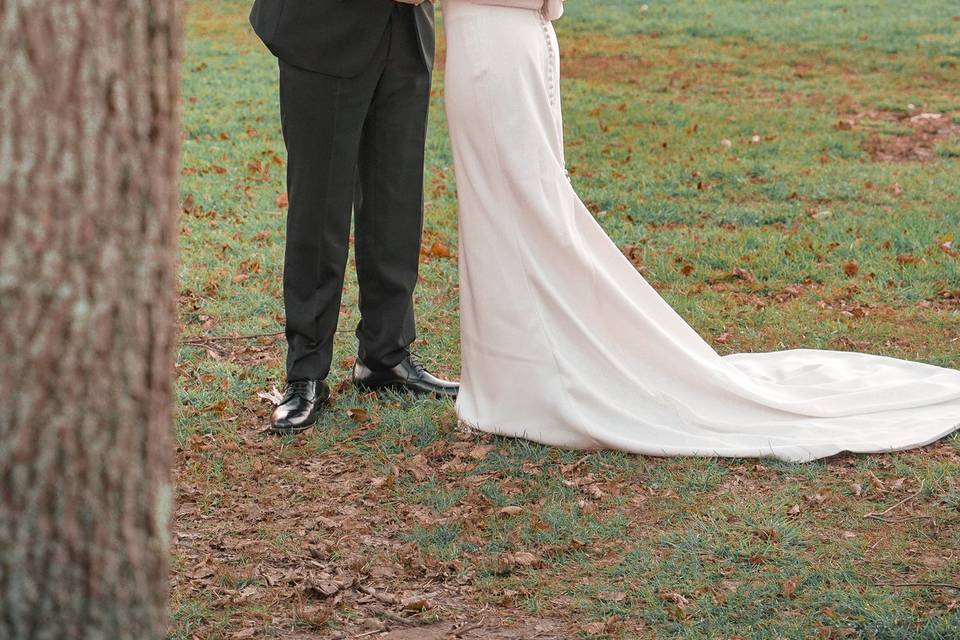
{"points": [[552, 9]]}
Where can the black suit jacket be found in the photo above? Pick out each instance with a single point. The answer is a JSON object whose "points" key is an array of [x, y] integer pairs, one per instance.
{"points": [[333, 37]]}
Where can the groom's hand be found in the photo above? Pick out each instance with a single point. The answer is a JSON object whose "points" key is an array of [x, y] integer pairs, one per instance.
{"points": [[415, 3]]}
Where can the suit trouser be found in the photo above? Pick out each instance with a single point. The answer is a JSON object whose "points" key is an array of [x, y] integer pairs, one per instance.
{"points": [[355, 145]]}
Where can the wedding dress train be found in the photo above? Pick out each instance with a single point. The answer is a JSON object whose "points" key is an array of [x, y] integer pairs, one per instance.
{"points": [[564, 343]]}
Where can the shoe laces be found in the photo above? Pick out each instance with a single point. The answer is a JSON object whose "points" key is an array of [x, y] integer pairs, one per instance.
{"points": [[415, 363], [296, 388]]}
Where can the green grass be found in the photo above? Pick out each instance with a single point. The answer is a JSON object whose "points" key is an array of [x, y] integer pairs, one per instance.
{"points": [[844, 250]]}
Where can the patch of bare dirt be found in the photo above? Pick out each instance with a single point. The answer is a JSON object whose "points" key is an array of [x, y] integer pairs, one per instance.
{"points": [[927, 130], [542, 630], [606, 60], [605, 68], [316, 545]]}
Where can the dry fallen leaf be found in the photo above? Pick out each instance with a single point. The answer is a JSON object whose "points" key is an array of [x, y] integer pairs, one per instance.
{"points": [[323, 589], [202, 572], [789, 589], [420, 468], [440, 250], [675, 598], [383, 482], [612, 596], [520, 559], [743, 274], [273, 396], [767, 534], [593, 491], [416, 603], [480, 451]]}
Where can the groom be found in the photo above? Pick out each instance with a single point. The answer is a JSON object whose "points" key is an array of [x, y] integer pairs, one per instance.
{"points": [[354, 92]]}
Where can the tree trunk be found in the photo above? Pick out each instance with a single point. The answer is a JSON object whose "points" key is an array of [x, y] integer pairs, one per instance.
{"points": [[89, 128]]}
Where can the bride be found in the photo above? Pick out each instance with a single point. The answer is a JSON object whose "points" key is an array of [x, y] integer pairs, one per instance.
{"points": [[566, 344]]}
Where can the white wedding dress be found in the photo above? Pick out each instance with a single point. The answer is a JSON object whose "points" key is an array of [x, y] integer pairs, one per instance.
{"points": [[564, 343]]}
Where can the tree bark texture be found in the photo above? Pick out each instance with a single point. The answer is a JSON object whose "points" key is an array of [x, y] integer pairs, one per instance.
{"points": [[89, 130]]}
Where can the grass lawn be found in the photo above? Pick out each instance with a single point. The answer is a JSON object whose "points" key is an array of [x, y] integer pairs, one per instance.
{"points": [[787, 174]]}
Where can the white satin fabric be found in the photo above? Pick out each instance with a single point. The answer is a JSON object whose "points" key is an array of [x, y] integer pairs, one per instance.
{"points": [[564, 343]]}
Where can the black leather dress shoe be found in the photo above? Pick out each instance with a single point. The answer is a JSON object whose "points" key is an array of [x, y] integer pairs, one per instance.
{"points": [[409, 375], [300, 407]]}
